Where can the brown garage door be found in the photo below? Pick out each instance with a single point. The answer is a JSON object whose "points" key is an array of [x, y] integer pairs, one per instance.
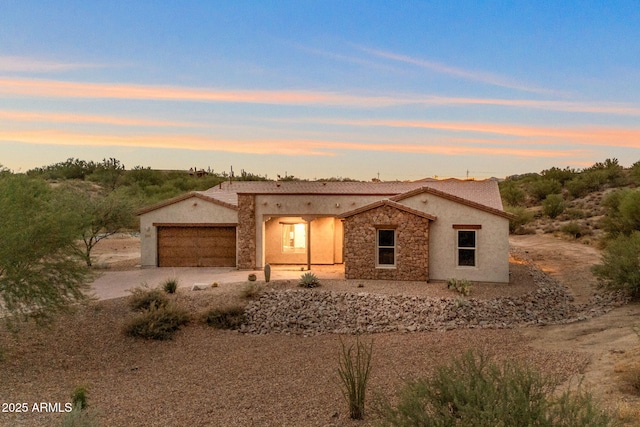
{"points": [[200, 246]]}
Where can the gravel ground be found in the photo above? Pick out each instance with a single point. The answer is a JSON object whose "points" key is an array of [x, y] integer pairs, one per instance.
{"points": [[207, 377]]}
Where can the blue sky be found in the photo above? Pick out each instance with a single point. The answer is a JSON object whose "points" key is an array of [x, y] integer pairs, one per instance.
{"points": [[319, 89]]}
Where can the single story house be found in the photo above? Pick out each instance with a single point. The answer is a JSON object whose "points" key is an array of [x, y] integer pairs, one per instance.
{"points": [[420, 230]]}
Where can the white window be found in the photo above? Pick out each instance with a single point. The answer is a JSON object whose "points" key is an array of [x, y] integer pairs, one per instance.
{"points": [[466, 248], [294, 238], [386, 248]]}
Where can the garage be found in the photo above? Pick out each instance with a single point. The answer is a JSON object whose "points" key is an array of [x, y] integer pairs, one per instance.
{"points": [[196, 246]]}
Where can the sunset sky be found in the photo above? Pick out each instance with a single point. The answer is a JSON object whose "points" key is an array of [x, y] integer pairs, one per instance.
{"points": [[317, 89]]}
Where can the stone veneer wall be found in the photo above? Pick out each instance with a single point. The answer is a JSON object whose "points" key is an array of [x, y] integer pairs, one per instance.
{"points": [[412, 245], [246, 242]]}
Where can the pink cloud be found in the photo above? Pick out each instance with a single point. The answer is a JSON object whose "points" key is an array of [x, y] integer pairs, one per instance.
{"points": [[295, 147], [24, 116], [63, 89]]}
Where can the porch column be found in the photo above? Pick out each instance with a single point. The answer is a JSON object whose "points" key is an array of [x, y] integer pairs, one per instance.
{"points": [[308, 219]]}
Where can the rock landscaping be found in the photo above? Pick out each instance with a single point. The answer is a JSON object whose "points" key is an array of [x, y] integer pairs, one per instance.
{"points": [[316, 311]]}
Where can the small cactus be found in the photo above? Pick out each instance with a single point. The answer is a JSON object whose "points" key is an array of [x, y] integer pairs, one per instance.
{"points": [[252, 277], [309, 280], [267, 273]]}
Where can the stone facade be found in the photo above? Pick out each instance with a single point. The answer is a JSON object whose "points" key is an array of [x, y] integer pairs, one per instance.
{"points": [[412, 244], [246, 242]]}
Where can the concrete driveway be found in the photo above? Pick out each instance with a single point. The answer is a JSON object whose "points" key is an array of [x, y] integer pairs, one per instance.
{"points": [[115, 284]]}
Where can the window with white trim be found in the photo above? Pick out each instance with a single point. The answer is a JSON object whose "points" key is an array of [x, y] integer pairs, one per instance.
{"points": [[294, 238], [386, 248], [467, 247]]}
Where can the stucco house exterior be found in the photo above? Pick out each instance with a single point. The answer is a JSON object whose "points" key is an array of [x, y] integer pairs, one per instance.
{"points": [[421, 230]]}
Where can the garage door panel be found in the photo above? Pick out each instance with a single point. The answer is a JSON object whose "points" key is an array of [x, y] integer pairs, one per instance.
{"points": [[205, 246]]}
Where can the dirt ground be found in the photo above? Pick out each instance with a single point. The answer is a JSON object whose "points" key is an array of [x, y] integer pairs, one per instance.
{"points": [[211, 377], [610, 340]]}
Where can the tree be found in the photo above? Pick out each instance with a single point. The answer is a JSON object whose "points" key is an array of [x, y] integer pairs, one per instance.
{"points": [[40, 273], [98, 215], [108, 173], [620, 267]]}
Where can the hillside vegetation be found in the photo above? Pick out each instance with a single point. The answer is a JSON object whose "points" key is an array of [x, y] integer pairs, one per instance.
{"points": [[580, 204]]}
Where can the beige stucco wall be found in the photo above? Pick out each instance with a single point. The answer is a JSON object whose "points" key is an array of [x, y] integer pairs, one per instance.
{"points": [[269, 206], [492, 257], [322, 241], [190, 211]]}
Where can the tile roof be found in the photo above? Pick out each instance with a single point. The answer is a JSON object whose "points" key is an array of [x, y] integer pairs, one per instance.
{"points": [[387, 202], [481, 192]]}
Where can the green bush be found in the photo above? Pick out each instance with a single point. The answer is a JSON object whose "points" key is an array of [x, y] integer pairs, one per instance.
{"points": [[553, 205], [354, 368], [620, 265], [79, 397], [623, 212], [157, 322], [79, 415], [309, 280], [511, 193], [170, 286], [463, 287], [143, 298], [573, 229], [474, 391], [587, 182], [522, 217], [541, 188], [225, 318], [635, 172]]}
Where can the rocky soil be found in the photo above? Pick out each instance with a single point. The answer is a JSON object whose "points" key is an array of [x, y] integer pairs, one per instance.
{"points": [[293, 311]]}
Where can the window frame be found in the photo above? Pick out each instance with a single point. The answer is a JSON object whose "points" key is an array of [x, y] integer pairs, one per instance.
{"points": [[394, 246], [285, 249], [472, 229]]}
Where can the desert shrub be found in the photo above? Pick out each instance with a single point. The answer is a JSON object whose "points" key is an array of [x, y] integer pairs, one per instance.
{"points": [[623, 212], [170, 286], [522, 217], [250, 291], [463, 287], [635, 172], [511, 193], [560, 175], [354, 367], [475, 391], [620, 265], [573, 229], [225, 318], [157, 322], [610, 171], [143, 298], [79, 416], [553, 205], [588, 181], [309, 280], [541, 188], [79, 397], [574, 213]]}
